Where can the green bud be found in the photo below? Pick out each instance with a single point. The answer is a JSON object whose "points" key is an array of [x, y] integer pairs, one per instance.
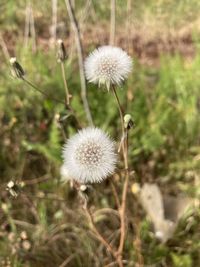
{"points": [[128, 122]]}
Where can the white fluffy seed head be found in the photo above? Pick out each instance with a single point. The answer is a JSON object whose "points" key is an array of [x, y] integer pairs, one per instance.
{"points": [[89, 156], [107, 65]]}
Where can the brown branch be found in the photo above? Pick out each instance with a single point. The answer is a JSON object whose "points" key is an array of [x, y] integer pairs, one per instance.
{"points": [[112, 21], [122, 208], [54, 20], [115, 193], [79, 47], [101, 238], [124, 196]]}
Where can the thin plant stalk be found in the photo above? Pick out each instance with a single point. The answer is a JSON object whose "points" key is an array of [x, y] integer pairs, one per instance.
{"points": [[79, 47], [101, 238], [4, 48], [117, 200], [121, 113], [67, 95], [54, 99], [40, 91], [128, 24], [54, 19], [32, 29], [29, 26], [122, 209], [112, 21]]}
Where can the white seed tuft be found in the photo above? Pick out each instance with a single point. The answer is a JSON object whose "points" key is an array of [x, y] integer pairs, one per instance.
{"points": [[89, 156], [107, 65]]}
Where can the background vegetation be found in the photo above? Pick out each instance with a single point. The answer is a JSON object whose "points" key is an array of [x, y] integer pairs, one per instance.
{"points": [[45, 225]]}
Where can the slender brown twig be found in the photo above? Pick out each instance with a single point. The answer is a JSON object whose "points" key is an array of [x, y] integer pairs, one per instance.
{"points": [[79, 47], [113, 186], [112, 21], [101, 238], [122, 209], [121, 113], [54, 20]]}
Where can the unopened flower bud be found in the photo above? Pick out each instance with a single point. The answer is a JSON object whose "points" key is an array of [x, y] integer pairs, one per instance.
{"points": [[17, 70], [13, 188], [128, 122], [83, 187], [61, 53]]}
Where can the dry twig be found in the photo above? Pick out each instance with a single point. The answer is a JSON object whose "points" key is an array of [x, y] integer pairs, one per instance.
{"points": [[79, 46]]}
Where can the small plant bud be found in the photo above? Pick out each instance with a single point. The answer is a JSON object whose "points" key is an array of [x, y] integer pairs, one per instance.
{"points": [[26, 245], [13, 189], [128, 122], [17, 70], [83, 187], [23, 235], [135, 188], [61, 53]]}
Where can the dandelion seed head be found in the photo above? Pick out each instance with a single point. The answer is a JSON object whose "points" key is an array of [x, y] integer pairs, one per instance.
{"points": [[89, 156], [107, 65]]}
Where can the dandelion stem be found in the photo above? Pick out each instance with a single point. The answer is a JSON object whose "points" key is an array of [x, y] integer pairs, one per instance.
{"points": [[122, 209], [67, 95], [112, 21], [79, 47], [101, 238], [113, 186], [121, 113], [40, 91], [54, 99]]}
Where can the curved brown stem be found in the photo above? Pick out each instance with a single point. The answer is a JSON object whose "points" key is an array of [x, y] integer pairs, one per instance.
{"points": [[101, 238], [122, 208]]}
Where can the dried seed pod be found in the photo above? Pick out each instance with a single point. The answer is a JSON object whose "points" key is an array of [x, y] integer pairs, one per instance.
{"points": [[61, 52], [17, 70]]}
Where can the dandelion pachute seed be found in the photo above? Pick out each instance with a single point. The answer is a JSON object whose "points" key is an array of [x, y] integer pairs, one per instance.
{"points": [[89, 156], [108, 65]]}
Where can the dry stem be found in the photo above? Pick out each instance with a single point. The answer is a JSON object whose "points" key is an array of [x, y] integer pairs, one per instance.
{"points": [[67, 95], [41, 92], [54, 20], [101, 238], [122, 209], [113, 186], [112, 22], [79, 46], [68, 107]]}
